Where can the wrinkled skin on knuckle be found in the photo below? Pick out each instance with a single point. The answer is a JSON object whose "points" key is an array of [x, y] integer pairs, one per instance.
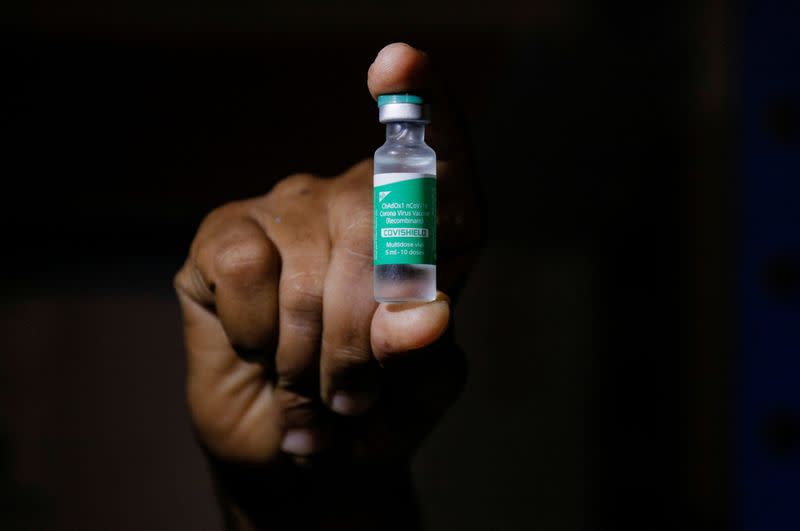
{"points": [[301, 293], [349, 354], [218, 224], [356, 239], [352, 224], [244, 263], [229, 248], [188, 281]]}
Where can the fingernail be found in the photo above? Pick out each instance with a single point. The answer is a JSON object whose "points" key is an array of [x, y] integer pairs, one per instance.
{"points": [[299, 442], [351, 403]]}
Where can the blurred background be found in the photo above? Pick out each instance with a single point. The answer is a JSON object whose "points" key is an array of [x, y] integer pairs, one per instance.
{"points": [[632, 325]]}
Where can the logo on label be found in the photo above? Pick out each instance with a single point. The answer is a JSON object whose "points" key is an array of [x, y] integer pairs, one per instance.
{"points": [[403, 232], [382, 195]]}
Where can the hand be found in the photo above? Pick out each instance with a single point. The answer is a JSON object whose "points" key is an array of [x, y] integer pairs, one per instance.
{"points": [[290, 360]]}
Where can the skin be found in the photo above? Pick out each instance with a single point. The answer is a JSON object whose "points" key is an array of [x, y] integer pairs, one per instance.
{"points": [[308, 396]]}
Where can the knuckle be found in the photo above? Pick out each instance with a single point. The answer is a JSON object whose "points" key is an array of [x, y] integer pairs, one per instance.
{"points": [[350, 354], [298, 184], [218, 216], [355, 236], [302, 292], [244, 262], [188, 282], [214, 227], [179, 280]]}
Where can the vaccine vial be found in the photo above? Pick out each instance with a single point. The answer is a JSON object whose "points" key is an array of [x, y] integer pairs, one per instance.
{"points": [[404, 199]]}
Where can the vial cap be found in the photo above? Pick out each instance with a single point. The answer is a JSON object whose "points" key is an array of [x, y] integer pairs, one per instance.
{"points": [[383, 99], [402, 107]]}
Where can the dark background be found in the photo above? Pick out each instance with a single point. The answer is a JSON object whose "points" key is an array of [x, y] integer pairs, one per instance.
{"points": [[599, 321]]}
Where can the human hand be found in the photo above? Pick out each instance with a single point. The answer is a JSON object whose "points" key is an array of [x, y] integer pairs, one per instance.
{"points": [[290, 359]]}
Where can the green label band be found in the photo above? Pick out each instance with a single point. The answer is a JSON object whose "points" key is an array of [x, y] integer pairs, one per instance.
{"points": [[405, 219]]}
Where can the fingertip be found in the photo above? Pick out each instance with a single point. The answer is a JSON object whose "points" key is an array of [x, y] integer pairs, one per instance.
{"points": [[351, 403], [398, 67], [302, 442]]}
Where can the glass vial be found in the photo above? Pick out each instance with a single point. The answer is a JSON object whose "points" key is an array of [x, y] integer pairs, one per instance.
{"points": [[404, 199]]}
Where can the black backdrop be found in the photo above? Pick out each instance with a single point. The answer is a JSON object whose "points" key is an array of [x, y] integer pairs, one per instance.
{"points": [[125, 123]]}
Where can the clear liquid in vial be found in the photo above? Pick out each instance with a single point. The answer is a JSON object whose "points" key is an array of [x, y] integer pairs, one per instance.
{"points": [[405, 151]]}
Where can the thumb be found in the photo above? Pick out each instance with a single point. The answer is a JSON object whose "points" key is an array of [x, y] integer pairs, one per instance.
{"points": [[405, 327], [400, 67]]}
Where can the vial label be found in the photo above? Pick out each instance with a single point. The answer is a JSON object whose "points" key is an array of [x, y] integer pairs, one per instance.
{"points": [[405, 218]]}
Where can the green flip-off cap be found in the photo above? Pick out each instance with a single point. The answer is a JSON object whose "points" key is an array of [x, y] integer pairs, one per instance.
{"points": [[384, 99]]}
